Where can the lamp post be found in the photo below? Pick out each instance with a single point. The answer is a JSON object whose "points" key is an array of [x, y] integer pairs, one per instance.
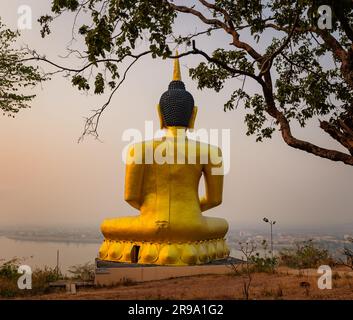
{"points": [[271, 224]]}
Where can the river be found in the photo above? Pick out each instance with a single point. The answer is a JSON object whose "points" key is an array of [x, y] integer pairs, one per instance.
{"points": [[42, 253]]}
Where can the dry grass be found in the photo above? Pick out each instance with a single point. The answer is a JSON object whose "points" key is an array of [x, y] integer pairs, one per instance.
{"points": [[285, 284]]}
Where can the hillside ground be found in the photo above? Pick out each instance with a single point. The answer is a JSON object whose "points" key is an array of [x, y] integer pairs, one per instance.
{"points": [[285, 283]]}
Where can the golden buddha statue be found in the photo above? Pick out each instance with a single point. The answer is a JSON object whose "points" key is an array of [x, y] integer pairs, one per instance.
{"points": [[170, 229]]}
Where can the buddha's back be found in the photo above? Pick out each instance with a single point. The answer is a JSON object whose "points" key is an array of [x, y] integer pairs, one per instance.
{"points": [[170, 179]]}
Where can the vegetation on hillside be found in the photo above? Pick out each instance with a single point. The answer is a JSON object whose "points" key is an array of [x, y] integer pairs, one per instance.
{"points": [[41, 278]]}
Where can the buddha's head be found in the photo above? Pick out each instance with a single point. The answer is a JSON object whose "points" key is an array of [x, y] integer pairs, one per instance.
{"points": [[176, 105]]}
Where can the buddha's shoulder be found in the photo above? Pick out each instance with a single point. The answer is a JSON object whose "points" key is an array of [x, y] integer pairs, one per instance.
{"points": [[198, 146], [204, 148], [140, 144], [140, 147]]}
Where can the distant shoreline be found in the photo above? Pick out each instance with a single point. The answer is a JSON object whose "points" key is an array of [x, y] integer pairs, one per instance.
{"points": [[52, 239]]}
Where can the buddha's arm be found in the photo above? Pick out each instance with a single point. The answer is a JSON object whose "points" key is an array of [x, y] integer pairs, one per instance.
{"points": [[213, 182], [134, 178]]}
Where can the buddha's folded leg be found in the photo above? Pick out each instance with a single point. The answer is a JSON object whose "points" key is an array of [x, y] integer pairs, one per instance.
{"points": [[138, 228], [203, 228], [121, 228], [216, 227], [130, 228], [187, 242]]}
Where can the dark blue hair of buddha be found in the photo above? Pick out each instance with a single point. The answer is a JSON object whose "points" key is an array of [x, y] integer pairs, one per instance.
{"points": [[176, 105]]}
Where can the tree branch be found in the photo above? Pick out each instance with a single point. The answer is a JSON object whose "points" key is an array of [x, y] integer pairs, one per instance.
{"points": [[267, 64], [338, 135], [198, 14], [225, 66], [297, 143], [92, 123], [227, 17], [37, 57], [229, 29], [343, 20]]}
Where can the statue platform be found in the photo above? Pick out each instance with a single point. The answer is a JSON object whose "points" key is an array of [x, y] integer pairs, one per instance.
{"points": [[112, 273]]}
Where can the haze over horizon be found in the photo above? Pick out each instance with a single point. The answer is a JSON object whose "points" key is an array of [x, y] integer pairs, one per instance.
{"points": [[47, 178], [259, 226]]}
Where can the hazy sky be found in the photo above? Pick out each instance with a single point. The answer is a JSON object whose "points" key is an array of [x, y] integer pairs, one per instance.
{"points": [[47, 178]]}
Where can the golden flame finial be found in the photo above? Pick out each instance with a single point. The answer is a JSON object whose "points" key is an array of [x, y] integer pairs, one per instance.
{"points": [[176, 71]]}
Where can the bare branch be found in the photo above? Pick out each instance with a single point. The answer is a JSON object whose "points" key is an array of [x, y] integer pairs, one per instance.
{"points": [[37, 57], [218, 9], [92, 123], [198, 14], [228, 28], [194, 35]]}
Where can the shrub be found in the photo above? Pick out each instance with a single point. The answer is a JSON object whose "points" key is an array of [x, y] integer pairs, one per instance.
{"points": [[347, 253], [84, 272], [8, 270], [306, 254], [40, 279], [263, 264], [8, 288], [8, 278]]}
